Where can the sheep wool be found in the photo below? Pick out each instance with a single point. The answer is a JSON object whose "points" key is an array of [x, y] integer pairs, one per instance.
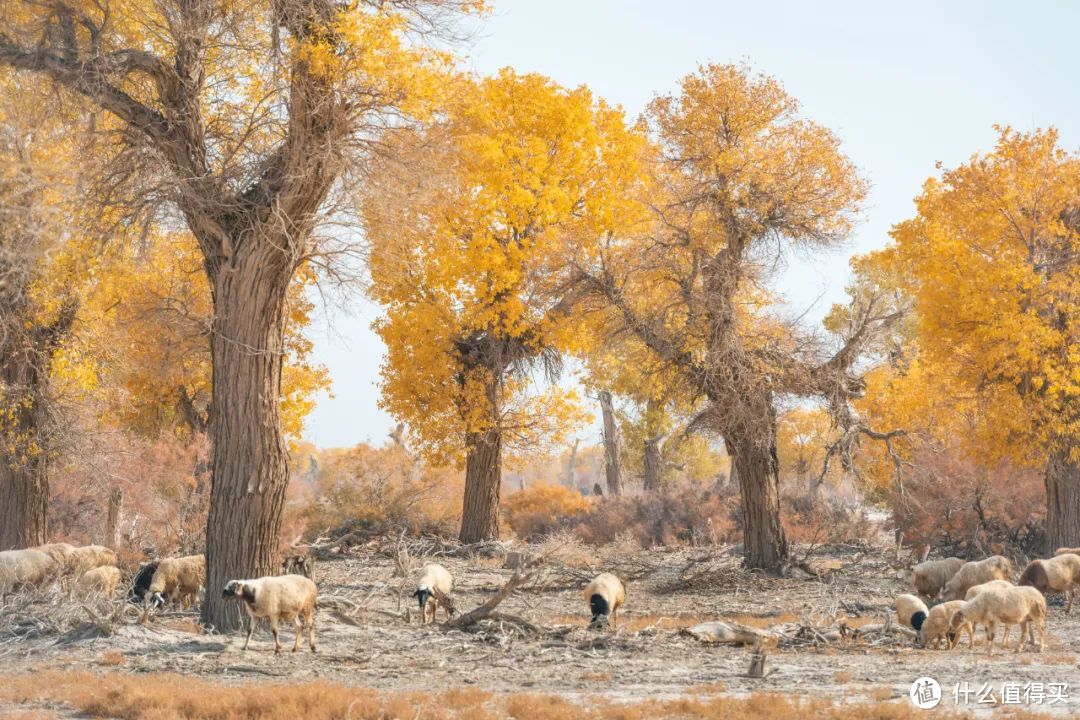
{"points": [[992, 585], [23, 568], [285, 597], [911, 611], [930, 577], [1060, 573], [1007, 607], [178, 579], [937, 626], [995, 567], [101, 580], [89, 557], [433, 577], [605, 594]]}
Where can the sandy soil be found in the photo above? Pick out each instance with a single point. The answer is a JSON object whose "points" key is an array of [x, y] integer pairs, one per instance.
{"points": [[366, 639]]}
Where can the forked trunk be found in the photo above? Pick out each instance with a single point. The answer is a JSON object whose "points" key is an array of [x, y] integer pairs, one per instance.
{"points": [[1062, 501], [764, 542], [483, 481], [249, 461]]}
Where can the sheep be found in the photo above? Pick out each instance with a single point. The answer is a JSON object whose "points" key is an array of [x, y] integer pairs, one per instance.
{"points": [[936, 627], [434, 579], [911, 611], [140, 584], [177, 579], [1008, 606], [61, 553], [930, 577], [1067, 551], [1060, 573], [89, 557], [21, 568], [974, 573], [605, 594], [101, 580], [992, 585], [284, 597]]}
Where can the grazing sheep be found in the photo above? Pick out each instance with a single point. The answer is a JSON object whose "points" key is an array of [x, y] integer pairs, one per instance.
{"points": [[994, 567], [605, 595], [1067, 551], [936, 627], [89, 557], [177, 579], [992, 585], [22, 568], [101, 580], [285, 597], [433, 578], [930, 577], [911, 611], [140, 584], [1015, 606], [1060, 573]]}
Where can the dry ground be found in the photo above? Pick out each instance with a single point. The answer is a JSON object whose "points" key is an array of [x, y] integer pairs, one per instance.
{"points": [[365, 640]]}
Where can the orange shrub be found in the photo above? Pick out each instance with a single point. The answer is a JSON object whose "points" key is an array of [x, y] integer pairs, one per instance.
{"points": [[538, 509]]}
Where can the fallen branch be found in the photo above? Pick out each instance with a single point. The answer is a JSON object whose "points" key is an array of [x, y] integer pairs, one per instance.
{"points": [[485, 610]]}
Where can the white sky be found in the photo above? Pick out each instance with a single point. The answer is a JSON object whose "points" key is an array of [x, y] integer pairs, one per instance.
{"points": [[904, 85]]}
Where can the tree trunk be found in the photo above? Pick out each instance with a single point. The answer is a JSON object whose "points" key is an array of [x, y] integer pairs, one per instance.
{"points": [[249, 462], [571, 466], [1062, 501], [112, 519], [483, 481], [764, 542], [611, 446], [653, 463], [24, 504]]}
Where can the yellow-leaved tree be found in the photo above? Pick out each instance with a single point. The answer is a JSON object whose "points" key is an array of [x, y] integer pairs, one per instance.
{"points": [[990, 266], [238, 118], [471, 242]]}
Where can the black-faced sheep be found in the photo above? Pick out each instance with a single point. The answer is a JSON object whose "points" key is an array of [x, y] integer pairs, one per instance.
{"points": [[605, 594], [1060, 573], [930, 577], [1015, 606], [140, 584], [974, 573], [285, 597], [178, 579], [937, 626], [911, 611], [25, 568], [433, 578], [101, 580]]}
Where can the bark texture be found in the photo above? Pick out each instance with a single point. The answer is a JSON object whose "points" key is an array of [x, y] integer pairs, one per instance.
{"points": [[1062, 501], [483, 482], [653, 463], [612, 468], [764, 541]]}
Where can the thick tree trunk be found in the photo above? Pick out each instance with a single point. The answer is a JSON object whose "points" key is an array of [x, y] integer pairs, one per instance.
{"points": [[249, 461], [764, 542], [1062, 501], [653, 464], [24, 504], [612, 470], [483, 481]]}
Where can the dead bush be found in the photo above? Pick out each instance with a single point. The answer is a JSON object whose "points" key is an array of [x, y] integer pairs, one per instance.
{"points": [[824, 521], [682, 516]]}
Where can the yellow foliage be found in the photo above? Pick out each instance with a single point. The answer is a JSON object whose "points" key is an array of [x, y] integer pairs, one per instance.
{"points": [[541, 505]]}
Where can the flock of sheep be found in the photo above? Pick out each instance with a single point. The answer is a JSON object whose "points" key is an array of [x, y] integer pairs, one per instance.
{"points": [[982, 593], [972, 593]]}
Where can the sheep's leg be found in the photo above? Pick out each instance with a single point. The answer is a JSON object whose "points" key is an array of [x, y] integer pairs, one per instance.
{"points": [[299, 623], [615, 617], [1006, 633], [1068, 600], [251, 630], [991, 631], [1042, 633], [311, 629], [1024, 628], [277, 637]]}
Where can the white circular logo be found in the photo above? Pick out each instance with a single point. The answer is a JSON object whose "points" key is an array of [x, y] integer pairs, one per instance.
{"points": [[925, 693]]}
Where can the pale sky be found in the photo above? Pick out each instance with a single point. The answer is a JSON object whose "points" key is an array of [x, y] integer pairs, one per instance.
{"points": [[904, 85]]}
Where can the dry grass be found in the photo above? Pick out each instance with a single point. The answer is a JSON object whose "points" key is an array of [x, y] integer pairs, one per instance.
{"points": [[111, 658], [175, 697]]}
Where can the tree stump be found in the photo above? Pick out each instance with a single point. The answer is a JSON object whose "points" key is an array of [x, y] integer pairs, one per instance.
{"points": [[757, 661]]}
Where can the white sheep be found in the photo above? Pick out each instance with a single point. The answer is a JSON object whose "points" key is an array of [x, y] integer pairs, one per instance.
{"points": [[605, 594], [1015, 606], [930, 577], [936, 627], [89, 557], [283, 597], [177, 579], [982, 587], [102, 580], [974, 573], [1060, 573], [433, 578], [22, 568], [911, 611], [1067, 551], [61, 553]]}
